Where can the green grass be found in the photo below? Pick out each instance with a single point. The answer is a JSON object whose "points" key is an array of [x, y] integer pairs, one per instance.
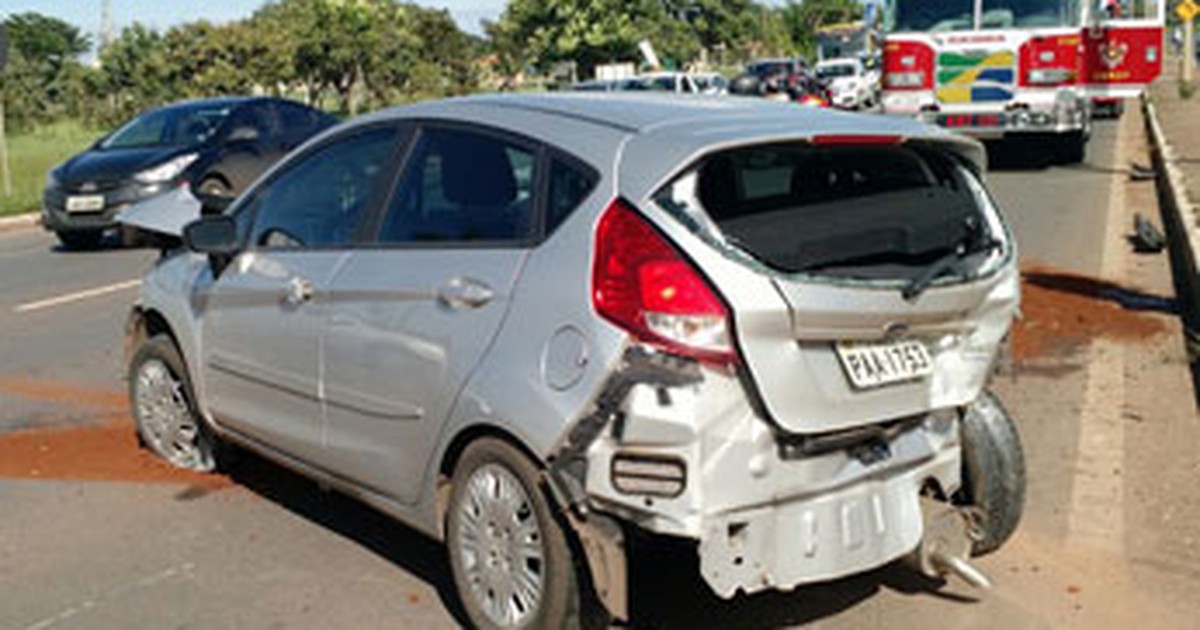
{"points": [[32, 153]]}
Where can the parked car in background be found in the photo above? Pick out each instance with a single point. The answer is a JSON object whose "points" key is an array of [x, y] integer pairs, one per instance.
{"points": [[849, 83], [710, 83], [529, 325], [217, 146], [677, 82], [595, 85]]}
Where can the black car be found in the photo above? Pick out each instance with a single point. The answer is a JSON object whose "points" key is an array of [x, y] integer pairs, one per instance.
{"points": [[218, 146]]}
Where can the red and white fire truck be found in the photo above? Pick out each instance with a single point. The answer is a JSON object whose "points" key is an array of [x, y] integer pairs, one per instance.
{"points": [[1004, 68]]}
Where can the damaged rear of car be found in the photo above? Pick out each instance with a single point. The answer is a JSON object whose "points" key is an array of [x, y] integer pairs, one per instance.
{"points": [[813, 320], [559, 319]]}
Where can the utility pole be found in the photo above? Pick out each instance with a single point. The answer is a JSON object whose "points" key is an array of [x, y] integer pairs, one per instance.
{"points": [[106, 26], [5, 171], [1187, 10]]}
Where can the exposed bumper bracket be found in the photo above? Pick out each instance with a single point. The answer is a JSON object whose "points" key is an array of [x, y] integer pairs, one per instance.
{"points": [[950, 532]]}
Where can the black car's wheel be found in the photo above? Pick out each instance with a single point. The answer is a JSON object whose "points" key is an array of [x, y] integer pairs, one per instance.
{"points": [[993, 471], [510, 557], [215, 187], [79, 239], [130, 236], [1073, 148], [160, 393]]}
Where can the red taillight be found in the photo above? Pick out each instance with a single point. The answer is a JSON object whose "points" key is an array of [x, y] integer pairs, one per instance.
{"points": [[641, 283], [1050, 61], [907, 65]]}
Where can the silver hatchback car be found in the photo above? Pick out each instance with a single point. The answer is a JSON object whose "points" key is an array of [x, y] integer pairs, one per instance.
{"points": [[531, 325]]}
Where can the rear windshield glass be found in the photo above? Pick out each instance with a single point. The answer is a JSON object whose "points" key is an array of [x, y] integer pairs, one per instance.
{"points": [[872, 212]]}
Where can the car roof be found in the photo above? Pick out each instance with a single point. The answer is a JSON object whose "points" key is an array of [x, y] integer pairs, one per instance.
{"points": [[653, 133]]}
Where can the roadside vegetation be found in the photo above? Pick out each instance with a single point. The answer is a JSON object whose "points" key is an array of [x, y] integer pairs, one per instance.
{"points": [[33, 153], [353, 56]]}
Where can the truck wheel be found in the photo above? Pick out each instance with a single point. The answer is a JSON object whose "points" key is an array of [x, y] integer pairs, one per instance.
{"points": [[993, 471], [1073, 148], [510, 556]]}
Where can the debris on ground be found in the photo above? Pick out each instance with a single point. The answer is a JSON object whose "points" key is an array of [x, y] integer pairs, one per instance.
{"points": [[1061, 311], [104, 450], [1146, 237]]}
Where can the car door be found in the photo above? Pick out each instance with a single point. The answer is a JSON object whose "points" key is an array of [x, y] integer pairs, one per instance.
{"points": [[412, 317], [265, 313], [1122, 47]]}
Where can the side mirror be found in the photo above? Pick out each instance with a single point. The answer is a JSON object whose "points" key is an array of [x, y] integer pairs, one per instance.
{"points": [[212, 235], [243, 134], [213, 205]]}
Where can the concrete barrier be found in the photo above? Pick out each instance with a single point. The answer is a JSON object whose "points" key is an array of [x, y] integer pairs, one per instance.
{"points": [[1181, 219], [19, 221]]}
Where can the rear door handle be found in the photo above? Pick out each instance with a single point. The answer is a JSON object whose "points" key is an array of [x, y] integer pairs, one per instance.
{"points": [[298, 291], [465, 292]]}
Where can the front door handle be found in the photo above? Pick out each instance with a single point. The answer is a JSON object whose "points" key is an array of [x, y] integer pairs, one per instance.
{"points": [[465, 293], [299, 291]]}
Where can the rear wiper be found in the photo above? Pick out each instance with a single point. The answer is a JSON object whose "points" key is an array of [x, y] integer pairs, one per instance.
{"points": [[972, 242]]}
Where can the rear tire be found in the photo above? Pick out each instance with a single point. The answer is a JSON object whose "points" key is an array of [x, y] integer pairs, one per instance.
{"points": [[76, 240], [993, 471], [502, 532]]}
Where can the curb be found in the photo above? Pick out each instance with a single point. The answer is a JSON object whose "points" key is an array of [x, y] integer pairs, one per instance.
{"points": [[20, 221], [1181, 219]]}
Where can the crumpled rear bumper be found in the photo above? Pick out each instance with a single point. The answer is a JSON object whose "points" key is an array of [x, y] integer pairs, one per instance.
{"points": [[823, 537], [767, 513]]}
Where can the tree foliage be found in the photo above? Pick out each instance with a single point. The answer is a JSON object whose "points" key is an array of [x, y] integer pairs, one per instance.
{"points": [[353, 55], [803, 19]]}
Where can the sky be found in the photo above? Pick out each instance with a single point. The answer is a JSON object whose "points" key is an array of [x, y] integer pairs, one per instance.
{"points": [[161, 14]]}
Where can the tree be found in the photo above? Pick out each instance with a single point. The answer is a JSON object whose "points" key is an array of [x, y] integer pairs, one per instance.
{"points": [[38, 80], [136, 71], [803, 19], [39, 38], [542, 33]]}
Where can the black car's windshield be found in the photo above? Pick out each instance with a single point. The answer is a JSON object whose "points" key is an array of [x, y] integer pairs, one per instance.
{"points": [[1029, 13], [930, 15], [173, 126]]}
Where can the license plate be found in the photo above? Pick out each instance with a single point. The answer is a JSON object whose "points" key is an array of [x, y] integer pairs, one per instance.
{"points": [[85, 203], [871, 365], [971, 120]]}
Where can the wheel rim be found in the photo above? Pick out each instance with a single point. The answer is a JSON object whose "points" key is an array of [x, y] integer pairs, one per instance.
{"points": [[500, 547], [165, 418]]}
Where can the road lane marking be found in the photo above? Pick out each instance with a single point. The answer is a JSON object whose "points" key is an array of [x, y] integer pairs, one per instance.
{"points": [[77, 296]]}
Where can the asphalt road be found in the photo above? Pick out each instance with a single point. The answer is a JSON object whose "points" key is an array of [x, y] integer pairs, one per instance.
{"points": [[92, 547]]}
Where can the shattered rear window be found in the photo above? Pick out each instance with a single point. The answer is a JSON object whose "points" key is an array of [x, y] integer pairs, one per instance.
{"points": [[863, 211]]}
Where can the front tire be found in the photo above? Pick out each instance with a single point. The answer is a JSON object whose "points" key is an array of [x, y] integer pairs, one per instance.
{"points": [[510, 556], [163, 406], [993, 471]]}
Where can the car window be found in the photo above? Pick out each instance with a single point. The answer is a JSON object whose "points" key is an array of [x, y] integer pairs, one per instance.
{"points": [[254, 116], [318, 201], [462, 186], [569, 186], [296, 122], [173, 126]]}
